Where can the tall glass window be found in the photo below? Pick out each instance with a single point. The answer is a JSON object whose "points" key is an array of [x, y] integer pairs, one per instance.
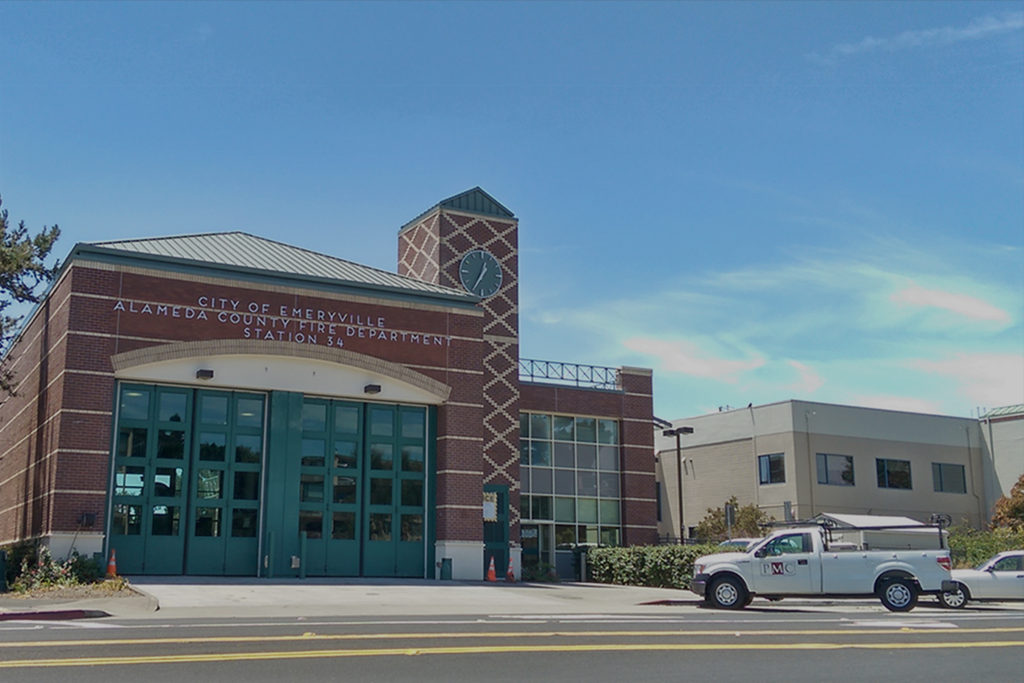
{"points": [[571, 476]]}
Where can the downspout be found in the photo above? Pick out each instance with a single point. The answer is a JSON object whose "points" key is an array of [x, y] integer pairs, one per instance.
{"points": [[810, 462], [753, 446], [974, 489]]}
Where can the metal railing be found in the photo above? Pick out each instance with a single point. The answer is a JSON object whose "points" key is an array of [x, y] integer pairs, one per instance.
{"points": [[572, 374]]}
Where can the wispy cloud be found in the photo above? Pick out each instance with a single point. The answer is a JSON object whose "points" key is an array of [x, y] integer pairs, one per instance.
{"points": [[808, 381], [877, 324], [987, 379], [961, 304], [686, 358], [977, 29], [893, 402]]}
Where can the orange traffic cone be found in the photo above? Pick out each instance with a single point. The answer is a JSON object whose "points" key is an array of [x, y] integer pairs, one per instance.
{"points": [[112, 565], [510, 575], [490, 571]]}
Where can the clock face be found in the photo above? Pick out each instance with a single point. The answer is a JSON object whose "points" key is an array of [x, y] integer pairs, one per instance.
{"points": [[480, 273]]}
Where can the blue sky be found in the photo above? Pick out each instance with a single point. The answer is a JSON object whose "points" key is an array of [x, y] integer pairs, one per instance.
{"points": [[761, 201]]}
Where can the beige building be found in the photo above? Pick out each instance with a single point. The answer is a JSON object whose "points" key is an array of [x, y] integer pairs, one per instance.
{"points": [[799, 459], [1002, 431]]}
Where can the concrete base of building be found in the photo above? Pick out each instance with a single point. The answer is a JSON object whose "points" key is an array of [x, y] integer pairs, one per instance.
{"points": [[63, 544], [466, 560]]}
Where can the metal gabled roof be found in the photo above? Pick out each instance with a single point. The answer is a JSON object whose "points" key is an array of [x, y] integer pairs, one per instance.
{"points": [[474, 200], [242, 251]]}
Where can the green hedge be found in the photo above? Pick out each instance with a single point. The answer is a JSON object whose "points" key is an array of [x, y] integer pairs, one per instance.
{"points": [[661, 566], [969, 547]]}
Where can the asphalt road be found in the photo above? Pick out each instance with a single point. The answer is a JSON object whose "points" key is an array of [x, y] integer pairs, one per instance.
{"points": [[770, 643]]}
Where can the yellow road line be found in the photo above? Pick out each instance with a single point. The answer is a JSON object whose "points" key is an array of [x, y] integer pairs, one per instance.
{"points": [[503, 649], [493, 634]]}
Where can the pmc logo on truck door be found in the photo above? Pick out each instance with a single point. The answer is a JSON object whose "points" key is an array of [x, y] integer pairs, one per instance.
{"points": [[778, 569]]}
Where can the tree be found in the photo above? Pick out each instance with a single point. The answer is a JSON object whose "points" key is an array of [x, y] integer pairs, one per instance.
{"points": [[749, 519], [22, 271], [1009, 510]]}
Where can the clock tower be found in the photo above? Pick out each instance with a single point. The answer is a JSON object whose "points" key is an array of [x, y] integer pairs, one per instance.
{"points": [[470, 242]]}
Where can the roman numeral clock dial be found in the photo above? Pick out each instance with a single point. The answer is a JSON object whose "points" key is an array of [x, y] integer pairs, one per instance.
{"points": [[480, 273]]}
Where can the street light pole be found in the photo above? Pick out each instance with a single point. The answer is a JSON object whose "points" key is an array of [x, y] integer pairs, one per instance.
{"points": [[677, 432]]}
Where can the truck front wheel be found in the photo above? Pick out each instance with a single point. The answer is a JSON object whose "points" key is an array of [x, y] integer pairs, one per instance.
{"points": [[898, 595], [727, 592]]}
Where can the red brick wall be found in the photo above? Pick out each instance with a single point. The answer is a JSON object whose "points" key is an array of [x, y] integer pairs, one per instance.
{"points": [[56, 443], [431, 250], [633, 407], [31, 423]]}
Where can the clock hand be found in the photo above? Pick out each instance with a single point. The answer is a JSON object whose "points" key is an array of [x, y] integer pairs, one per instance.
{"points": [[483, 271]]}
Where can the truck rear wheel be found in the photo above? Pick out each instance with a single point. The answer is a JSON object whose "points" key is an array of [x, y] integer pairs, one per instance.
{"points": [[727, 592], [898, 595]]}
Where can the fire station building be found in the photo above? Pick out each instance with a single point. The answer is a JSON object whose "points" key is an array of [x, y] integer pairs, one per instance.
{"points": [[222, 404]]}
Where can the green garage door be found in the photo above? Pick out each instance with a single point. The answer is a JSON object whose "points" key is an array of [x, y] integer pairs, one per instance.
{"points": [[186, 484], [362, 488], [151, 467], [224, 489]]}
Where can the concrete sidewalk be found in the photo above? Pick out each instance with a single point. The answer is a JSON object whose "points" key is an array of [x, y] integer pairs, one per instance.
{"points": [[192, 597], [178, 597]]}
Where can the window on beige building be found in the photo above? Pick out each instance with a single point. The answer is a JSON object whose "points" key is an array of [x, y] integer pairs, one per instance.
{"points": [[893, 474], [835, 470], [948, 478], [771, 469]]}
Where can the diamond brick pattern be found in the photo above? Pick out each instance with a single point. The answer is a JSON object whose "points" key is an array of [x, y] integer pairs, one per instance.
{"points": [[432, 250], [418, 252]]}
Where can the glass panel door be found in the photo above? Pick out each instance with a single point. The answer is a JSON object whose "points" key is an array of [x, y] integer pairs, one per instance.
{"points": [[225, 484], [244, 470], [381, 532], [410, 468], [344, 464], [150, 471]]}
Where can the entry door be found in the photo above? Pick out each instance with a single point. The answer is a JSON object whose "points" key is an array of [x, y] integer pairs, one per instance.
{"points": [[225, 484], [788, 565], [496, 529], [537, 548]]}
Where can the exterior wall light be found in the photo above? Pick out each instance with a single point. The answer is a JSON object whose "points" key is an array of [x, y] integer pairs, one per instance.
{"points": [[204, 374], [371, 389]]}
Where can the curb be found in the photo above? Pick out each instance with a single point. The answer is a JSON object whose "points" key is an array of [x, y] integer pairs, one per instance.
{"points": [[54, 615]]}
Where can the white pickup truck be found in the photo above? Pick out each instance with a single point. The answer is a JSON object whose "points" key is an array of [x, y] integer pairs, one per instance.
{"points": [[800, 562]]}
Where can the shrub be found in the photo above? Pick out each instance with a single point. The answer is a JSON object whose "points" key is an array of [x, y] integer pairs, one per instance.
{"points": [[539, 573], [1009, 510], [749, 520], [39, 571], [660, 566], [16, 555], [969, 547]]}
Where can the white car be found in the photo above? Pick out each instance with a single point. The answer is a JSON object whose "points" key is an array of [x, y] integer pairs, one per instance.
{"points": [[738, 543], [998, 578]]}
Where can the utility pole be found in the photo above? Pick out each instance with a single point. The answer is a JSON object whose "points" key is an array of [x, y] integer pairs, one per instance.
{"points": [[677, 432]]}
